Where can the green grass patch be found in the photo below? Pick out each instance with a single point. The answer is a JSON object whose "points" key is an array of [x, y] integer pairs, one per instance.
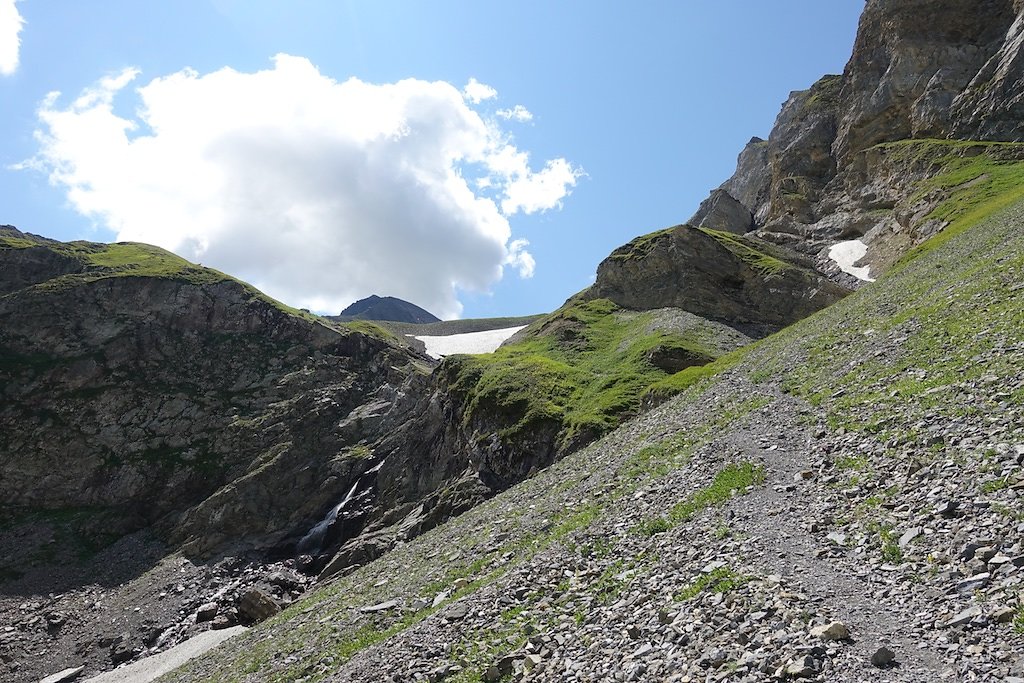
{"points": [[373, 329], [579, 519], [721, 580], [887, 541], [8, 242], [753, 254], [655, 461], [995, 485], [732, 480], [578, 374], [133, 259], [642, 246], [824, 93], [678, 382], [859, 463]]}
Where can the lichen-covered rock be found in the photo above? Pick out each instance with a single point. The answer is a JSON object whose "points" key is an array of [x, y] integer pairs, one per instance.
{"points": [[741, 281]]}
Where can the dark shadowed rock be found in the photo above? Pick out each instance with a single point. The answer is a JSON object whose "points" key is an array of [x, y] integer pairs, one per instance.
{"points": [[721, 211], [387, 308]]}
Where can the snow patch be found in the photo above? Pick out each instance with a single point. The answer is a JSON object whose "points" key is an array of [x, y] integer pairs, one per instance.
{"points": [[845, 254], [470, 342]]}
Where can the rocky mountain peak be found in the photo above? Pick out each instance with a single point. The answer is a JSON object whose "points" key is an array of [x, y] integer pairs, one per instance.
{"points": [[925, 70], [932, 69], [387, 308]]}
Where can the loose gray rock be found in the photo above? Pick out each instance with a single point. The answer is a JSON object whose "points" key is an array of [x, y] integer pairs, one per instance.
{"points": [[883, 657], [835, 630]]}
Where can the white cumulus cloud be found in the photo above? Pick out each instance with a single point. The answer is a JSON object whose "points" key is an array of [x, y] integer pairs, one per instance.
{"points": [[10, 42], [516, 113], [520, 258], [531, 192], [476, 92], [317, 191]]}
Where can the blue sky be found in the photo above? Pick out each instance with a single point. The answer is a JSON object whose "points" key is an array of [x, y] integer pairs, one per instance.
{"points": [[230, 131]]}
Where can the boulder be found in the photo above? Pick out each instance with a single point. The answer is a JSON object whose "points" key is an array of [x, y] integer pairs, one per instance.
{"points": [[722, 211], [256, 606], [739, 280]]}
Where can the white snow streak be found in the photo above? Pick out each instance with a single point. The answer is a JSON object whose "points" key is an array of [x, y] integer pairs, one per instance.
{"points": [[470, 342], [846, 254]]}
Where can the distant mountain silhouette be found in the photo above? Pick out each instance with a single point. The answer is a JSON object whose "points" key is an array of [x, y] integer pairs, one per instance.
{"points": [[388, 308]]}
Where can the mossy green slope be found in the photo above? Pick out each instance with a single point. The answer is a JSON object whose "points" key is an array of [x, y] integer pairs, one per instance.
{"points": [[580, 371], [128, 259]]}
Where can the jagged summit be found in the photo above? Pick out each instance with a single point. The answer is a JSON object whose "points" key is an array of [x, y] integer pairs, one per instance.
{"points": [[387, 308], [931, 88]]}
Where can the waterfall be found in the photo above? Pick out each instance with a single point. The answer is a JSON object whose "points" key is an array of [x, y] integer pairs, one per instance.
{"points": [[313, 540]]}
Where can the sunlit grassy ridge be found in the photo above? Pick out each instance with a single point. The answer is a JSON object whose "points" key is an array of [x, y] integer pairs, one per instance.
{"points": [[581, 370], [132, 259]]}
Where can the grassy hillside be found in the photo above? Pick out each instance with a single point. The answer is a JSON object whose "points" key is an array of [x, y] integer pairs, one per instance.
{"points": [[132, 259], [584, 368], [628, 537]]}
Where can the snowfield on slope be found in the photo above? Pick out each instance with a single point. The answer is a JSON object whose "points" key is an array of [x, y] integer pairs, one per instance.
{"points": [[470, 342], [846, 254]]}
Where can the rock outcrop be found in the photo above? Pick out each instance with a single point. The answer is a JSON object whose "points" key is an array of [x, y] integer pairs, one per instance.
{"points": [[920, 70], [157, 392], [737, 280]]}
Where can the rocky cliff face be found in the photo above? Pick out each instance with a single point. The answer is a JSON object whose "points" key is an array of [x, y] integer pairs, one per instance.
{"points": [[158, 392], [920, 70]]}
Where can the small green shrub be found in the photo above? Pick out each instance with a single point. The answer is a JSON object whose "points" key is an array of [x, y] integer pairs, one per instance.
{"points": [[650, 527], [721, 580]]}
